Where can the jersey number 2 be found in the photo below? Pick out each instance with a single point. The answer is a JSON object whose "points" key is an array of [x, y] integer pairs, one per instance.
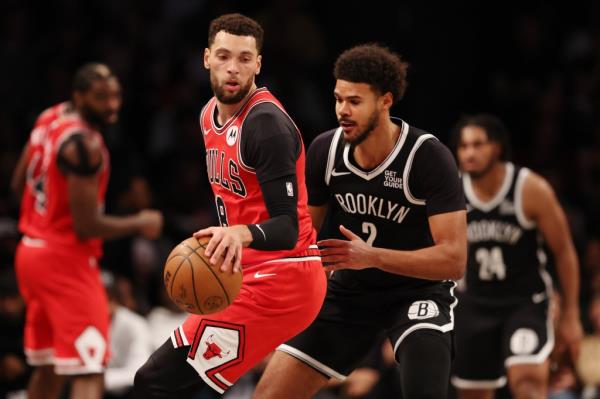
{"points": [[491, 264], [371, 230]]}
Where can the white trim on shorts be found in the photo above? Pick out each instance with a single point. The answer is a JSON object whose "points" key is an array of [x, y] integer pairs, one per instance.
{"points": [[297, 259], [543, 354], [184, 340], [462, 383], [419, 326], [314, 363], [33, 242], [74, 366], [39, 357], [210, 382]]}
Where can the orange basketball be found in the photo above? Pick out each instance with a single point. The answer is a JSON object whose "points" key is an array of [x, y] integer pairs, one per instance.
{"points": [[194, 284]]}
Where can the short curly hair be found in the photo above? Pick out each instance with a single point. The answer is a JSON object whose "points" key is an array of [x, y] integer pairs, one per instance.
{"points": [[236, 24], [371, 63]]}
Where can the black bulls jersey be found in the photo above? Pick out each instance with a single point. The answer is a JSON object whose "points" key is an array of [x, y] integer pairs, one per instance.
{"points": [[506, 260], [387, 206]]}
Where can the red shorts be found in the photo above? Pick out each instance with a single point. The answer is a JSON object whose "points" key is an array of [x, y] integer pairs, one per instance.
{"points": [[278, 299], [67, 308]]}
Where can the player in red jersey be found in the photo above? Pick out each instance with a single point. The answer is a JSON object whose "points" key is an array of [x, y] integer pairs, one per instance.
{"points": [[255, 160], [62, 176]]}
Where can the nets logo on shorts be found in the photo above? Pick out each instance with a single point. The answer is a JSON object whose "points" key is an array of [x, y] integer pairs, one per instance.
{"points": [[420, 310], [524, 341]]}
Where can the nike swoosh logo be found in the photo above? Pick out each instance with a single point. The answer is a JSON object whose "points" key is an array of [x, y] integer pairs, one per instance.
{"points": [[260, 275], [208, 131], [334, 173]]}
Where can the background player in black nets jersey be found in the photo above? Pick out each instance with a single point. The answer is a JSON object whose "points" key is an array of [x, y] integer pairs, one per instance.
{"points": [[397, 229], [503, 319]]}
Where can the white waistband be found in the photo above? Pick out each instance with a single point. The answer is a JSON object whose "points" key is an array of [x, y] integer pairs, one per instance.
{"points": [[33, 242]]}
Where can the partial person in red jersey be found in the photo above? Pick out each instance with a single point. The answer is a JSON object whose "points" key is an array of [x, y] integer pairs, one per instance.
{"points": [[62, 176]]}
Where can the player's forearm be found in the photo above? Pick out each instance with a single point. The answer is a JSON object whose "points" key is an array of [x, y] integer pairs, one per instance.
{"points": [[439, 262], [107, 227], [277, 233], [567, 268]]}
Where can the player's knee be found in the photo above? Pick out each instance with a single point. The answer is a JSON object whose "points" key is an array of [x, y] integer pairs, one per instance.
{"points": [[528, 388], [414, 390], [424, 358]]}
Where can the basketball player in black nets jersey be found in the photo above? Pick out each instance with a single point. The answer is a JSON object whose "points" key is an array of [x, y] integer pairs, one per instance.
{"points": [[503, 320], [397, 236]]}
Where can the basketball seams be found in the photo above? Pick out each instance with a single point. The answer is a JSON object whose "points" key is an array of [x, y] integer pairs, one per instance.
{"points": [[194, 287], [185, 257], [208, 266]]}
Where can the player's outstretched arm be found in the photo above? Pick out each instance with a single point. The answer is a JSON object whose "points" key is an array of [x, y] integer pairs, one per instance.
{"points": [[80, 159], [541, 206], [446, 259]]}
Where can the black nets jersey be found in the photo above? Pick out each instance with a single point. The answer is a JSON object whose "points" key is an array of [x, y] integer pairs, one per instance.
{"points": [[506, 260], [387, 206]]}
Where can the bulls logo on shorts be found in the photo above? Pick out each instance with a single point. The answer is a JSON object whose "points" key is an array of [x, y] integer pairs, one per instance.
{"points": [[216, 347], [420, 310]]}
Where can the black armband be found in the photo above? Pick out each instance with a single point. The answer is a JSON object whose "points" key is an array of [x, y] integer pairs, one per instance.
{"points": [[83, 167], [281, 230], [274, 234]]}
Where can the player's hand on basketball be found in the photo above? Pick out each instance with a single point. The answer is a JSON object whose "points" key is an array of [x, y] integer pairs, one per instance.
{"points": [[227, 242], [353, 253], [151, 222]]}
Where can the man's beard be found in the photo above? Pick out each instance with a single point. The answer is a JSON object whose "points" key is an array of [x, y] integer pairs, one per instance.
{"points": [[230, 99], [94, 118], [372, 124], [478, 174]]}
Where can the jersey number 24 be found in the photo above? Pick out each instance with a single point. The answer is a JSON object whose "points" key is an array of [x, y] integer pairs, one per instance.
{"points": [[491, 264]]}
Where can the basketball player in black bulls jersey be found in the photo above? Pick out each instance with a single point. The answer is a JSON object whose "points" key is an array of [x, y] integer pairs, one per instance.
{"points": [[397, 236], [503, 320], [255, 160]]}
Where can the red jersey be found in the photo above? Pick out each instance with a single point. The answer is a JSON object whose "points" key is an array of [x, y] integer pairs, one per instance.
{"points": [[45, 211], [237, 191]]}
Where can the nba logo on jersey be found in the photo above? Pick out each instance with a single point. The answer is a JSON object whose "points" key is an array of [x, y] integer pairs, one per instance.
{"points": [[290, 188], [232, 134], [420, 310]]}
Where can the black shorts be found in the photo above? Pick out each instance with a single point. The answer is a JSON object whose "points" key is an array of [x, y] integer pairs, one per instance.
{"points": [[351, 321], [490, 338]]}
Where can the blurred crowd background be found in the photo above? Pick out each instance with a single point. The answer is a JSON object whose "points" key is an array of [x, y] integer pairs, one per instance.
{"points": [[536, 66]]}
